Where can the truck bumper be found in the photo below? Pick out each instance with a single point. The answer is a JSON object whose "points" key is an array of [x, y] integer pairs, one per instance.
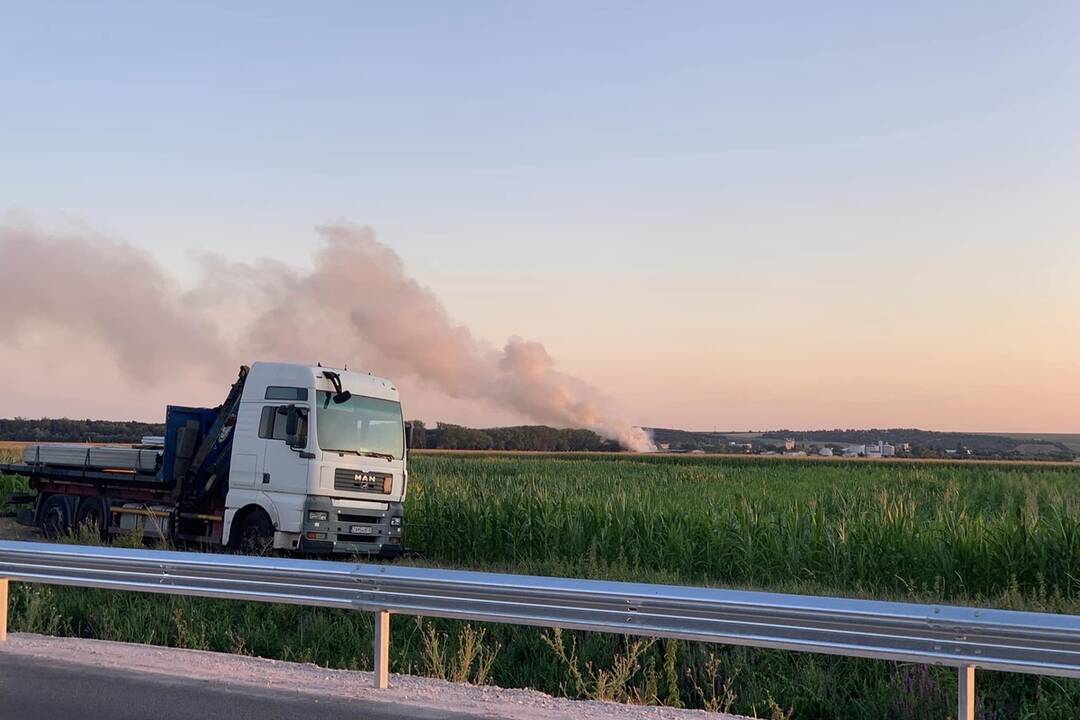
{"points": [[351, 531]]}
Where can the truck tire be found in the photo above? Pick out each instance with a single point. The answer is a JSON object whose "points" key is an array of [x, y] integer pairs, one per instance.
{"points": [[55, 518], [94, 512], [253, 534]]}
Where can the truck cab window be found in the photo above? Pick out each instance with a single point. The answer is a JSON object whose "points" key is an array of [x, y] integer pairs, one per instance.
{"points": [[359, 425], [273, 420], [278, 392]]}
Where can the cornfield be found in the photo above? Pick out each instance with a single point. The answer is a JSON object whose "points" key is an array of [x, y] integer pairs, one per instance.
{"points": [[886, 528], [1000, 535]]}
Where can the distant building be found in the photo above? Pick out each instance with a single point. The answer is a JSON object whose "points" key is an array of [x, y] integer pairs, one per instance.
{"points": [[825, 452], [880, 449], [663, 446], [789, 443], [854, 450]]}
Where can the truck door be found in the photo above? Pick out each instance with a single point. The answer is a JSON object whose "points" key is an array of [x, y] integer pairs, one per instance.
{"points": [[283, 469], [247, 450]]}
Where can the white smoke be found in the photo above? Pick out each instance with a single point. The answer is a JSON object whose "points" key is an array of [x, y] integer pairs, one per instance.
{"points": [[356, 302]]}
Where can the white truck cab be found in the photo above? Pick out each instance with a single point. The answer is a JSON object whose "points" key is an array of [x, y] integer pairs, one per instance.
{"points": [[320, 454]]}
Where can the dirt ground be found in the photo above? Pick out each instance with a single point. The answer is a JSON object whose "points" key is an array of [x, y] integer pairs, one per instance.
{"points": [[11, 530]]}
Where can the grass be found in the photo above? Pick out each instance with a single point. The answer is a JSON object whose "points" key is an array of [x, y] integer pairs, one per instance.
{"points": [[10, 483], [997, 535]]}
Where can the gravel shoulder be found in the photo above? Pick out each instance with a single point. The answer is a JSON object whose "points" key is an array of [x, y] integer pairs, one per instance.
{"points": [[406, 690], [11, 530]]}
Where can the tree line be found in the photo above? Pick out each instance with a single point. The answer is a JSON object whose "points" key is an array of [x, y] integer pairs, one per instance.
{"points": [[67, 430], [445, 436]]}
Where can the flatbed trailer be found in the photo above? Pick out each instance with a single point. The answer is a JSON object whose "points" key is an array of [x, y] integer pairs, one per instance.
{"points": [[111, 501]]}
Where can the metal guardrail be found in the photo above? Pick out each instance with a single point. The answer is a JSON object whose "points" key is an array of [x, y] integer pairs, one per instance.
{"points": [[966, 638]]}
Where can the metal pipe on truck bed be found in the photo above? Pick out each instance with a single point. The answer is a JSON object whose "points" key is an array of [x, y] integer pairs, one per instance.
{"points": [[141, 511]]}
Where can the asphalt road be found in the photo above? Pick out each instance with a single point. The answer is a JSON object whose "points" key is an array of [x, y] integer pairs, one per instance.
{"points": [[32, 689]]}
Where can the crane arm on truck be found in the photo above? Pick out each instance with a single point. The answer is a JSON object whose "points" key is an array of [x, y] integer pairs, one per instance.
{"points": [[210, 462]]}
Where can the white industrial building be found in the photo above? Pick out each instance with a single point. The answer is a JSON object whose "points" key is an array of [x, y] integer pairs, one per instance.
{"points": [[879, 449]]}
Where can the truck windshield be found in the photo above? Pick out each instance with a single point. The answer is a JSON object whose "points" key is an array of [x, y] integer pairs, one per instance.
{"points": [[360, 424]]}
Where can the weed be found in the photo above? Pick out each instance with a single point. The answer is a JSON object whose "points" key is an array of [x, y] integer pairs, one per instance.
{"points": [[616, 683], [470, 664]]}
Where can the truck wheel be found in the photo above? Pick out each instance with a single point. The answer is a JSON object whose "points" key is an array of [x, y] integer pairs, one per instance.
{"points": [[92, 512], [254, 535], [55, 519]]}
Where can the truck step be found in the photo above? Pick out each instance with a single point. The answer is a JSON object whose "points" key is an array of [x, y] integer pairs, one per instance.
{"points": [[20, 498]]}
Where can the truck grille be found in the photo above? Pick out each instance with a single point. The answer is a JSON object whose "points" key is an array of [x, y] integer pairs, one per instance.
{"points": [[344, 537], [360, 481], [354, 518]]}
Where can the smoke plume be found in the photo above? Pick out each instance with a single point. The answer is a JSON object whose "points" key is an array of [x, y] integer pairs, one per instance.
{"points": [[112, 292], [357, 302]]}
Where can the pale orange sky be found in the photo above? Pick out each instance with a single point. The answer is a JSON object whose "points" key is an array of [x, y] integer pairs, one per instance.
{"points": [[988, 343], [720, 216]]}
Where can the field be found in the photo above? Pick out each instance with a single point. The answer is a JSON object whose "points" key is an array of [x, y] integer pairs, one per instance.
{"points": [[1070, 440], [1005, 535]]}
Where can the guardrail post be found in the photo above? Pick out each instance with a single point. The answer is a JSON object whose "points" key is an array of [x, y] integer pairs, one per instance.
{"points": [[382, 649], [3, 609], [966, 710]]}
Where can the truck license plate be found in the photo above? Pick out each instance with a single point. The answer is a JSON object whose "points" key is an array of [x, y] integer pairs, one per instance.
{"points": [[360, 530]]}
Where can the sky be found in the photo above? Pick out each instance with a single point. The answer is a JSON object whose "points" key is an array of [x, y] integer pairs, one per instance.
{"points": [[720, 215]]}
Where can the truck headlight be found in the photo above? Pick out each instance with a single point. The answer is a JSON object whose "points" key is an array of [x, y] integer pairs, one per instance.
{"points": [[395, 522], [318, 515]]}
